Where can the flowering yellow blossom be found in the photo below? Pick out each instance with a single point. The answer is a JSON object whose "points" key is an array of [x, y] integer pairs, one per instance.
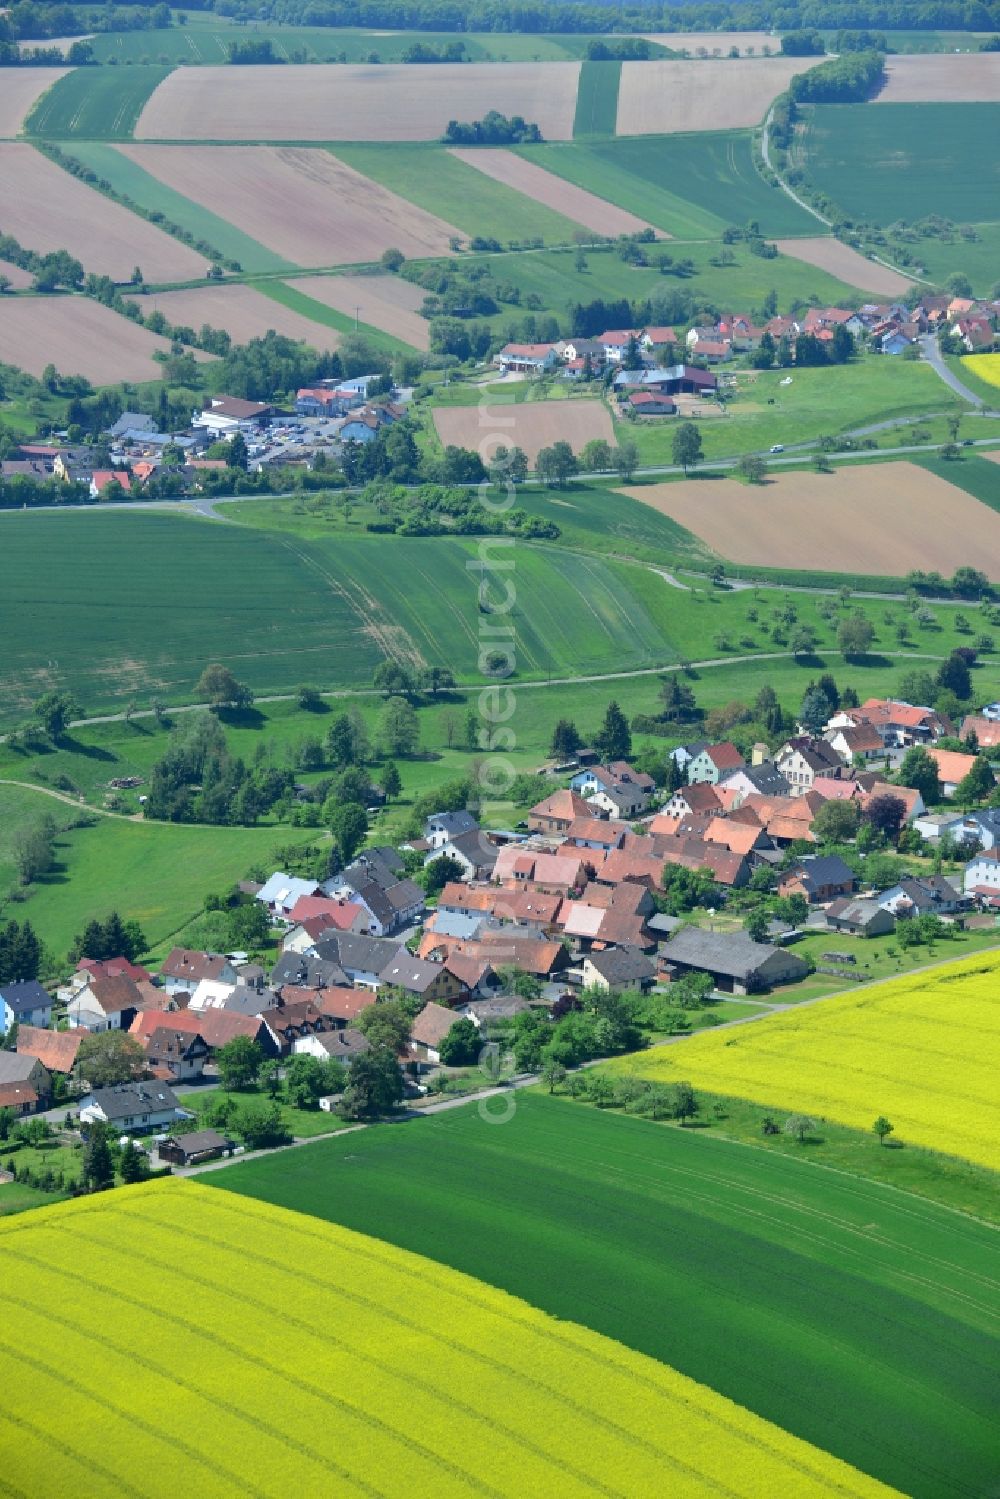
{"points": [[923, 1049], [169, 1339]]}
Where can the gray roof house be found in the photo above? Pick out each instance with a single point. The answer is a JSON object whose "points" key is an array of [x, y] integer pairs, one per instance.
{"points": [[444, 826], [862, 918], [24, 1002], [618, 968], [737, 964], [133, 1107]]}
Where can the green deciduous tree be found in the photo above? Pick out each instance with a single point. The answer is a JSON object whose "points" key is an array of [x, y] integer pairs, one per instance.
{"points": [[349, 826], [882, 1128], [919, 771], [462, 1045], [109, 1057], [687, 445], [239, 1062], [399, 730], [374, 1085]]}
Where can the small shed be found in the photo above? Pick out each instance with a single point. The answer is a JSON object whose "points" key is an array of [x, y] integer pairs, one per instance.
{"points": [[191, 1150]]}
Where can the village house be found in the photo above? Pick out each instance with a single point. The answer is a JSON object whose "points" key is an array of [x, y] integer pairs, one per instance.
{"points": [[952, 768], [736, 963], [528, 359], [183, 970], [55, 1050], [429, 981], [175, 1056], [195, 1148], [617, 969], [290, 1022], [110, 1004], [820, 878], [555, 813], [981, 878], [924, 895], [472, 850], [985, 731], [224, 416], [978, 827], [378, 880], [802, 759], [697, 800], [713, 761], [898, 724], [27, 1074], [762, 779], [102, 477], [644, 403], [24, 1002], [429, 1030], [859, 918], [596, 832], [281, 892], [556, 874], [133, 1108], [332, 1046], [856, 742], [216, 1027], [616, 790]]}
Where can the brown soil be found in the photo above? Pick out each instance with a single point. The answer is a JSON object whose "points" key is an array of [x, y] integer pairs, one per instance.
{"points": [[21, 88], [828, 254], [942, 78], [80, 337], [243, 311], [885, 518], [300, 202], [659, 97], [531, 425], [356, 102], [46, 209]]}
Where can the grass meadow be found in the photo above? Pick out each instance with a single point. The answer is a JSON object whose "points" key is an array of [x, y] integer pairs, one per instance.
{"points": [[433, 179], [320, 1361], [94, 103], [832, 1306], [690, 186], [597, 99], [126, 176]]}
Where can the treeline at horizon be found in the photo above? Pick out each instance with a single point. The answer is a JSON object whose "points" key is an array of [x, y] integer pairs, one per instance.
{"points": [[40, 18]]}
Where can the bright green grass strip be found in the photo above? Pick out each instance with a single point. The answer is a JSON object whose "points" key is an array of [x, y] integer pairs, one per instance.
{"points": [[597, 99], [860, 1319], [440, 183], [865, 159], [690, 186], [144, 870], [973, 473], [154, 196], [298, 301], [94, 103], [206, 41]]}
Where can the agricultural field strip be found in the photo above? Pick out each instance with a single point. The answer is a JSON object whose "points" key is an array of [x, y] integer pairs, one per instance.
{"points": [[21, 91], [927, 78], [667, 95], [356, 1287], [629, 1237], [767, 1064]]}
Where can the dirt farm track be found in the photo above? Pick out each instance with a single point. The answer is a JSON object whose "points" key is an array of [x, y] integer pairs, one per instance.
{"points": [[356, 102], [883, 518]]}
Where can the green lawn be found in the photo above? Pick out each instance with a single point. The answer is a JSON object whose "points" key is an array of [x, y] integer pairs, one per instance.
{"points": [[690, 186], [554, 278], [817, 403], [831, 1305], [17, 1199], [127, 177], [597, 99], [157, 874], [302, 1123], [433, 179], [865, 158], [876, 958], [94, 103]]}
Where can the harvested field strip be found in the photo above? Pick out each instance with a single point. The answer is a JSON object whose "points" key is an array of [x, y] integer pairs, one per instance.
{"points": [[663, 96], [828, 254], [239, 308], [384, 302], [40, 202], [302, 203], [22, 89], [438, 181], [881, 518], [929, 78], [859, 1317], [386, 1392], [80, 337], [597, 99], [153, 196], [95, 103], [531, 426], [356, 103], [535, 182], [716, 43], [833, 1059], [19, 280]]}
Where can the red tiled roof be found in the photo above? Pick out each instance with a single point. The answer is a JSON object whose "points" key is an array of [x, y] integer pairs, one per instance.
{"points": [[56, 1050]]}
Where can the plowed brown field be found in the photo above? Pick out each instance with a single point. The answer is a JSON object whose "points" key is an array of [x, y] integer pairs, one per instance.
{"points": [[19, 89], [19, 280], [45, 209], [666, 95], [384, 302], [80, 337], [356, 102], [243, 311], [715, 41], [300, 202], [884, 518], [561, 196], [828, 254], [942, 78], [532, 425]]}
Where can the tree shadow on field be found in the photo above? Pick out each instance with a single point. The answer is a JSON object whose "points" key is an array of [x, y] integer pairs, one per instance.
{"points": [[865, 660], [88, 751], [241, 718]]}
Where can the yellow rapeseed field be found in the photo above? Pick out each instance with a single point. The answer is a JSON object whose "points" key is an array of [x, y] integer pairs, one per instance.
{"points": [[924, 1050], [986, 366], [173, 1340]]}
